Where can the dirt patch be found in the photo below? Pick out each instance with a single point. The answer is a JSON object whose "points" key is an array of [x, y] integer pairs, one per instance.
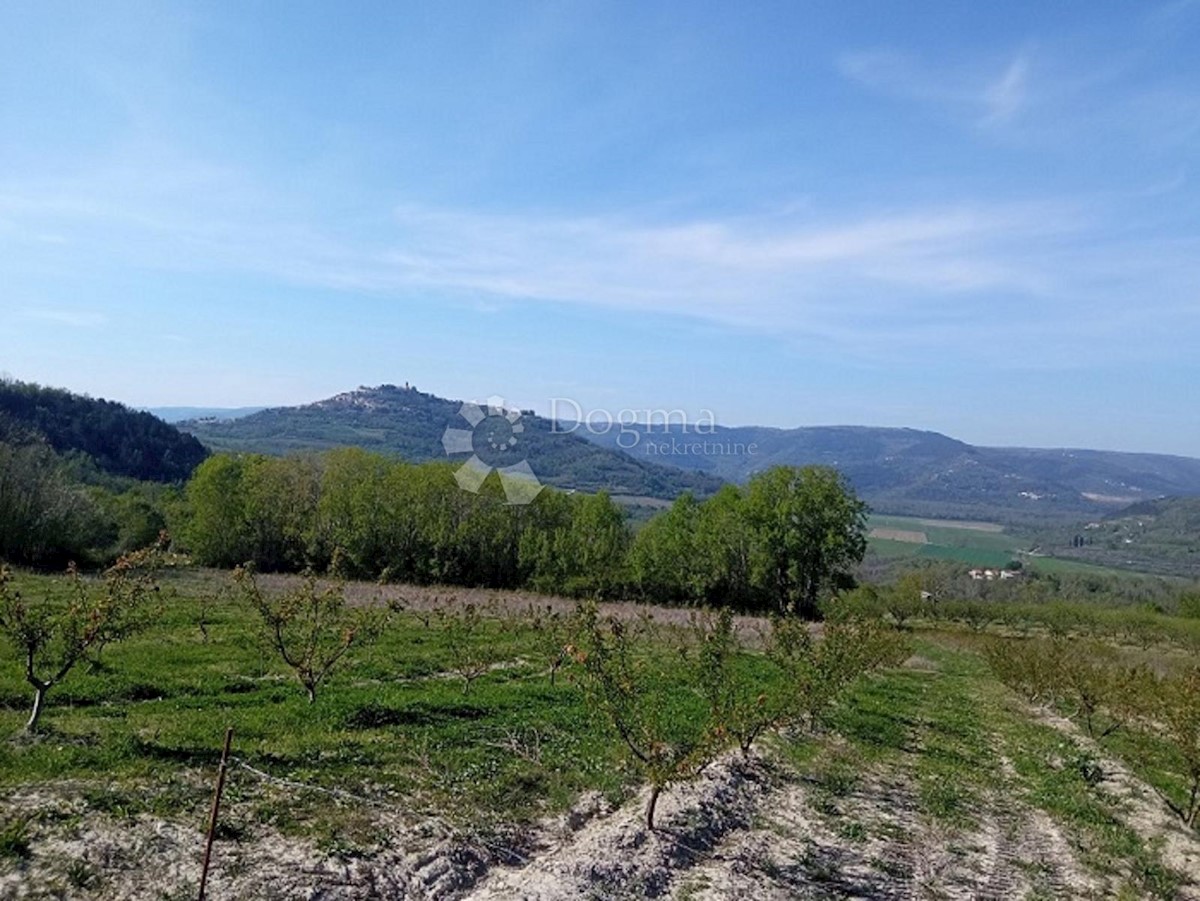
{"points": [[1139, 806], [745, 829]]}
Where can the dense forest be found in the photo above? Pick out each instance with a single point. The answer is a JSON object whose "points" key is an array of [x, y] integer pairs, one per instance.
{"points": [[117, 440], [84, 480]]}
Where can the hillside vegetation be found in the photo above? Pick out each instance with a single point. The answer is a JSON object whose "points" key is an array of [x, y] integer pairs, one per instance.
{"points": [[116, 440], [84, 480], [409, 424], [1160, 536]]}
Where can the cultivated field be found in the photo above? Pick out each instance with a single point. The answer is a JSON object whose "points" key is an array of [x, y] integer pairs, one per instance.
{"points": [[443, 763]]}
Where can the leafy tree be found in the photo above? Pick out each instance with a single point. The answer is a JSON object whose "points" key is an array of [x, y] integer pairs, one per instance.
{"points": [[53, 635], [665, 561], [724, 546], [904, 600], [311, 627], [809, 530], [217, 531], [46, 519], [280, 495]]}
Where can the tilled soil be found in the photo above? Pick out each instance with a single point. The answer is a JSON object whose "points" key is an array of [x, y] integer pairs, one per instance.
{"points": [[747, 828]]}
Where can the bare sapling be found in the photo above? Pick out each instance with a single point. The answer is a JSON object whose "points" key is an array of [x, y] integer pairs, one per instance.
{"points": [[311, 627], [622, 671], [52, 635]]}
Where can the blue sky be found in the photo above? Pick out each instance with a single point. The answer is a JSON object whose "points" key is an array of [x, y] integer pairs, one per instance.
{"points": [[977, 218]]}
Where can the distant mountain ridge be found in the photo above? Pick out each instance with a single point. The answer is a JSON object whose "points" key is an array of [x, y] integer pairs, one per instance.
{"points": [[901, 470], [184, 414], [411, 424]]}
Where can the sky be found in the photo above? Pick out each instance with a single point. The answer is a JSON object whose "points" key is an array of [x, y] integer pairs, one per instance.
{"points": [[981, 219]]}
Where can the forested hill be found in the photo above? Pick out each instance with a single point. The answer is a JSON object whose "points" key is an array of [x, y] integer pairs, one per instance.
{"points": [[1160, 536], [411, 424], [118, 440]]}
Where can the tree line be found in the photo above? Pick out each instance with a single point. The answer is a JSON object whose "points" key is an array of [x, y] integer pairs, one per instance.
{"points": [[780, 543]]}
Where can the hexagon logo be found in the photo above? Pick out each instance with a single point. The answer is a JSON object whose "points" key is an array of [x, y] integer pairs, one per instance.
{"points": [[497, 426]]}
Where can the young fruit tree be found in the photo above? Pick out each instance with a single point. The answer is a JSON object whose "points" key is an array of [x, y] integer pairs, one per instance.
{"points": [[626, 679], [53, 634], [311, 627], [744, 691], [819, 671], [1178, 709], [471, 640]]}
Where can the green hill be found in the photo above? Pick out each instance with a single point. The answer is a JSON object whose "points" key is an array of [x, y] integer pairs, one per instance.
{"points": [[117, 440], [411, 424], [1160, 536]]}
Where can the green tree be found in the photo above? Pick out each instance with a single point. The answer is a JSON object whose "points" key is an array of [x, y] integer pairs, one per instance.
{"points": [[216, 530], [809, 531], [664, 559], [45, 519], [724, 547]]}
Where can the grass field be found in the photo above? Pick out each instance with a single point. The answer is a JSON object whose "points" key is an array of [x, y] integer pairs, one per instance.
{"points": [[971, 543], [931, 778]]}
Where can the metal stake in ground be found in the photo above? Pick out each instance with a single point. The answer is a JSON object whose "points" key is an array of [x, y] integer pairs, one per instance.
{"points": [[216, 810]]}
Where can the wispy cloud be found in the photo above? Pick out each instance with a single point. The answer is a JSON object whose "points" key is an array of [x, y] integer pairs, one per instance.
{"points": [[984, 94], [1005, 97], [883, 282], [70, 318]]}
